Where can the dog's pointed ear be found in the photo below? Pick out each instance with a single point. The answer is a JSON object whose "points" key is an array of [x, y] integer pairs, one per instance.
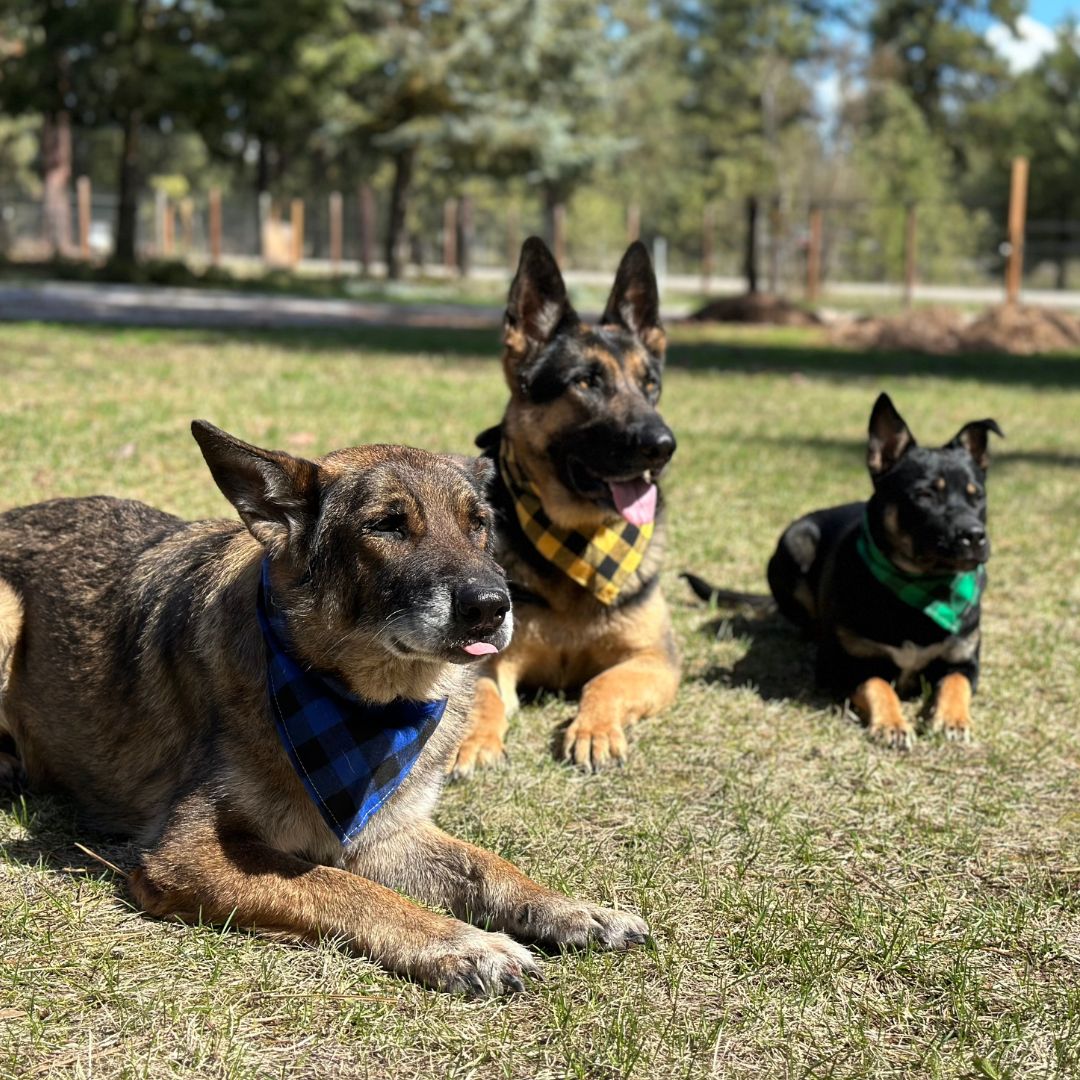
{"points": [[480, 471], [890, 438], [275, 494], [538, 305], [975, 439], [634, 303]]}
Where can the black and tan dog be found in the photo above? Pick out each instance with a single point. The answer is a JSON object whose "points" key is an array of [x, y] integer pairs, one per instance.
{"points": [[580, 534], [890, 588], [271, 710]]}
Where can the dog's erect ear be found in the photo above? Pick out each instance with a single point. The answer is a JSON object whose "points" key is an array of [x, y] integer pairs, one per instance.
{"points": [[537, 306], [890, 437], [975, 439], [634, 302], [275, 494]]}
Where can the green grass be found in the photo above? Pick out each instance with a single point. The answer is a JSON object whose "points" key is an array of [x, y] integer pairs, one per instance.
{"points": [[820, 907]]}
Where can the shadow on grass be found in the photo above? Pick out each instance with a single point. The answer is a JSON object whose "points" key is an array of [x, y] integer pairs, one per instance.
{"points": [[778, 665], [803, 355]]}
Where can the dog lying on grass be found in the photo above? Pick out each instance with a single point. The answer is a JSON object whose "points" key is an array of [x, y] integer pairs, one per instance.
{"points": [[271, 709], [581, 530], [890, 588]]}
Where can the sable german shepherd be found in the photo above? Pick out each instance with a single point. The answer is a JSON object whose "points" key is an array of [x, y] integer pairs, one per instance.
{"points": [[582, 438], [134, 678], [890, 588]]}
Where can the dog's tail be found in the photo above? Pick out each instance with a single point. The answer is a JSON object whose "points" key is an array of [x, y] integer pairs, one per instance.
{"points": [[729, 598]]}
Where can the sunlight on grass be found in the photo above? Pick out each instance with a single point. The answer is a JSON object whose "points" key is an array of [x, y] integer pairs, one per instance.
{"points": [[820, 907]]}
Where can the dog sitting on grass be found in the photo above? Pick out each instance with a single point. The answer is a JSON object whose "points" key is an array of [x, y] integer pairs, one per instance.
{"points": [[270, 707], [891, 588]]}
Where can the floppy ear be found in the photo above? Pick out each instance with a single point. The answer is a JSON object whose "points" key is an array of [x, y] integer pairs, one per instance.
{"points": [[275, 494], [537, 305], [634, 302], [890, 438], [975, 439]]}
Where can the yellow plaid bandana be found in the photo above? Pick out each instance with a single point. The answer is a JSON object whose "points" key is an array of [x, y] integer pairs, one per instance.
{"points": [[602, 561]]}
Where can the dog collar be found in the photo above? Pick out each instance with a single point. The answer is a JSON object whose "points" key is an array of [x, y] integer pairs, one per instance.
{"points": [[944, 598], [602, 561], [351, 755]]}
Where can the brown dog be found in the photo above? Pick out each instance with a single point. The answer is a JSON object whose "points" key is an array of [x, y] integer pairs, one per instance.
{"points": [[580, 523], [141, 661]]}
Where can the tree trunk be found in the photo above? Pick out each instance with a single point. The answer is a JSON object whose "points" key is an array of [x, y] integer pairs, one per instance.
{"points": [[262, 188], [128, 204], [56, 161], [750, 258], [404, 160]]}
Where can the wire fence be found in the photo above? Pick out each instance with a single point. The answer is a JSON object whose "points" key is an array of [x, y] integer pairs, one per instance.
{"points": [[346, 233]]}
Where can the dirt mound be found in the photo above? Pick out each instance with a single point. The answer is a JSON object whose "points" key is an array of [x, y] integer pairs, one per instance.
{"points": [[929, 330], [1023, 329], [761, 308], [1020, 329]]}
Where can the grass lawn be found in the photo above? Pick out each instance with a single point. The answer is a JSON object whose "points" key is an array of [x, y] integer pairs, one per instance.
{"points": [[820, 906]]}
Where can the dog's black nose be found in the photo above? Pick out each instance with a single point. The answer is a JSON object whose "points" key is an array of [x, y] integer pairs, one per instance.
{"points": [[973, 538], [481, 608], [657, 445]]}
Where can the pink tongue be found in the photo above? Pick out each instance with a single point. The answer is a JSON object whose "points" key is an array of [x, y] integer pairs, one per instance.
{"points": [[635, 500], [480, 648]]}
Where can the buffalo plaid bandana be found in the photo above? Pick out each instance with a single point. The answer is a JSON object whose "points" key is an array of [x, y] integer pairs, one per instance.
{"points": [[945, 598], [602, 561], [350, 754]]}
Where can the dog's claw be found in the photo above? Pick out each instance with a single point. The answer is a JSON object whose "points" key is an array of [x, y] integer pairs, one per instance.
{"points": [[593, 746]]}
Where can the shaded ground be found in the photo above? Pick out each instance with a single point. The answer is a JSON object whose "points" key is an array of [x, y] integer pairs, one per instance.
{"points": [[820, 907]]}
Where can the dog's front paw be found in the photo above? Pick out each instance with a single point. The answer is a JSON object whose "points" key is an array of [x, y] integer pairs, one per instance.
{"points": [[477, 964], [575, 924], [479, 750], [593, 743], [893, 733], [954, 727]]}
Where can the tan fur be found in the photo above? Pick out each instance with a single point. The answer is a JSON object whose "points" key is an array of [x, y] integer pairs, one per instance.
{"points": [[952, 707], [878, 705]]}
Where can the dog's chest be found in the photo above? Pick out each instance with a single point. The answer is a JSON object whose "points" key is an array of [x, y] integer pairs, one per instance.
{"points": [[909, 658]]}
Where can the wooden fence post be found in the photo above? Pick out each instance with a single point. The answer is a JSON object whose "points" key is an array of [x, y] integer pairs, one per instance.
{"points": [[558, 223], [336, 210], [168, 228], [464, 235], [215, 226], [911, 239], [513, 236], [449, 234], [708, 245], [813, 254], [633, 223], [367, 227], [1014, 270], [82, 192], [296, 219]]}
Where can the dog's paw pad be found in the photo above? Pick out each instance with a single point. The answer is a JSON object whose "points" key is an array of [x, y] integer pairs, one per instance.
{"points": [[477, 752], [479, 964], [574, 925], [593, 746]]}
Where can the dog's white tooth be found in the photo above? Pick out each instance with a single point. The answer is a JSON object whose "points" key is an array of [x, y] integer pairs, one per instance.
{"points": [[647, 476]]}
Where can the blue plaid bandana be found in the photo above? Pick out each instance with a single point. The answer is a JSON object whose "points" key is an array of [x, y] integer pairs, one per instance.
{"points": [[350, 754]]}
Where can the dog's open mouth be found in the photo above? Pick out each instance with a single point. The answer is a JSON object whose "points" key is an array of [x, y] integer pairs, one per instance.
{"points": [[634, 496]]}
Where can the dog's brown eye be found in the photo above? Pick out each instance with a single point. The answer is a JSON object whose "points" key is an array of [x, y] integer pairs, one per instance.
{"points": [[393, 526]]}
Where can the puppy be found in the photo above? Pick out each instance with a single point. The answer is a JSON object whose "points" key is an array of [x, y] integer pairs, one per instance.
{"points": [[270, 707], [580, 451], [891, 588]]}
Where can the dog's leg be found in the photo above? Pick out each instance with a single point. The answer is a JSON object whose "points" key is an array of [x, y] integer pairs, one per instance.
{"points": [[952, 707], [494, 702], [204, 873], [640, 686], [480, 887], [876, 702]]}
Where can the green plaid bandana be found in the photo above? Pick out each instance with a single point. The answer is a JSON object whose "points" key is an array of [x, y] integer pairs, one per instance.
{"points": [[945, 598]]}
